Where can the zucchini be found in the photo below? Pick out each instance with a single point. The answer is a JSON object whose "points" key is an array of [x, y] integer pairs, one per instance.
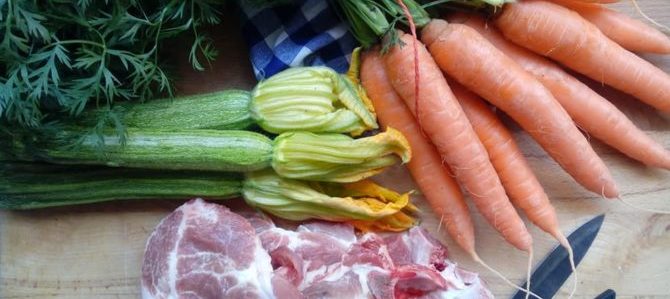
{"points": [[25, 185], [296, 155], [221, 110], [312, 99], [198, 149], [30, 185]]}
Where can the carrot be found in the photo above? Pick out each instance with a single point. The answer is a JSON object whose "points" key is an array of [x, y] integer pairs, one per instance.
{"points": [[433, 179], [561, 34], [629, 33], [588, 109], [443, 121], [474, 62], [522, 186], [415, 44]]}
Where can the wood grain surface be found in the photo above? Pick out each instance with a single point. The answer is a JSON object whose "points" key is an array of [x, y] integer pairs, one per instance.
{"points": [[95, 251]]}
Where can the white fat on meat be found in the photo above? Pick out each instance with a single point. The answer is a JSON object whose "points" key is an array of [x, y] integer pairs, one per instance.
{"points": [[204, 250]]}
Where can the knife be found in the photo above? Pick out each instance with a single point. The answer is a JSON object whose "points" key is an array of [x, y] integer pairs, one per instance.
{"points": [[550, 275]]}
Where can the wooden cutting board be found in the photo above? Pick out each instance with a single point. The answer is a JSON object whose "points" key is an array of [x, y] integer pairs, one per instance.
{"points": [[95, 251]]}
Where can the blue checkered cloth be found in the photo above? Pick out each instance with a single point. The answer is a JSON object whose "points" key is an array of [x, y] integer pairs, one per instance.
{"points": [[298, 33]]}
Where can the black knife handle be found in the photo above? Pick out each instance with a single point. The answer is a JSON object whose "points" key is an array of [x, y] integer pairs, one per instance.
{"points": [[607, 294]]}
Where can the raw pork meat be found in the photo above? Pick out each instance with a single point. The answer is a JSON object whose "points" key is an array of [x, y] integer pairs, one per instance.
{"points": [[250, 257], [203, 250]]}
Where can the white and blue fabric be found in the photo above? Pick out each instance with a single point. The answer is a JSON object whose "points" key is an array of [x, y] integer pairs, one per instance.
{"points": [[296, 33]]}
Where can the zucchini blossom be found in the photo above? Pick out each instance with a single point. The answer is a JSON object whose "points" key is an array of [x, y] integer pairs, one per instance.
{"points": [[337, 157], [313, 99], [365, 204]]}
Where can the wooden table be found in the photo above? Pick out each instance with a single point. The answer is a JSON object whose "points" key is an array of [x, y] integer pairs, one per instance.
{"points": [[95, 251]]}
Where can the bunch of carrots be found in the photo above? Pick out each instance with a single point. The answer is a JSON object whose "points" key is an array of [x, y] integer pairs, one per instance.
{"points": [[435, 91]]}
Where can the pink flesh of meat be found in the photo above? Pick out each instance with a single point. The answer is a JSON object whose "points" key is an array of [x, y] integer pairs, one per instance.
{"points": [[339, 231], [204, 250]]}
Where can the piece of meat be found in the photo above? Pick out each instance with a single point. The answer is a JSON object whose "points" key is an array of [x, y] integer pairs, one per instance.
{"points": [[341, 232], [417, 280], [426, 250], [381, 284], [204, 250], [399, 249], [416, 246], [460, 284], [305, 253], [370, 249], [273, 238], [347, 286], [420, 258], [259, 221], [288, 265], [320, 250], [284, 289]]}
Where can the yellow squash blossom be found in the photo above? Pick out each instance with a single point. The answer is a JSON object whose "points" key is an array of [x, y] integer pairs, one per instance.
{"points": [[363, 203]]}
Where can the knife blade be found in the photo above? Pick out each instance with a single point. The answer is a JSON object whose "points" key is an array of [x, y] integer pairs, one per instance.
{"points": [[555, 269]]}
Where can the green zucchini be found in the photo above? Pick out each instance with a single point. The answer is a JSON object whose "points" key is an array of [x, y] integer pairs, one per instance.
{"points": [[25, 185], [31, 185], [224, 110], [198, 149], [221, 110], [297, 155], [312, 99]]}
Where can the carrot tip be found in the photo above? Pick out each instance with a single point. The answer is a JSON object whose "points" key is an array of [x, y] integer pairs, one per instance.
{"points": [[644, 15], [558, 235], [476, 258], [528, 271]]}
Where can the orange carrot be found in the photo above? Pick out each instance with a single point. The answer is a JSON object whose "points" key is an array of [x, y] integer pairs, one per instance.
{"points": [[442, 119], [516, 175], [521, 185], [631, 34], [432, 177], [415, 43], [474, 62], [588, 109], [561, 34]]}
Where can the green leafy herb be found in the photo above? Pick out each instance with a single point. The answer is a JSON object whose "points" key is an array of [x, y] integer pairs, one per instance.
{"points": [[60, 56]]}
